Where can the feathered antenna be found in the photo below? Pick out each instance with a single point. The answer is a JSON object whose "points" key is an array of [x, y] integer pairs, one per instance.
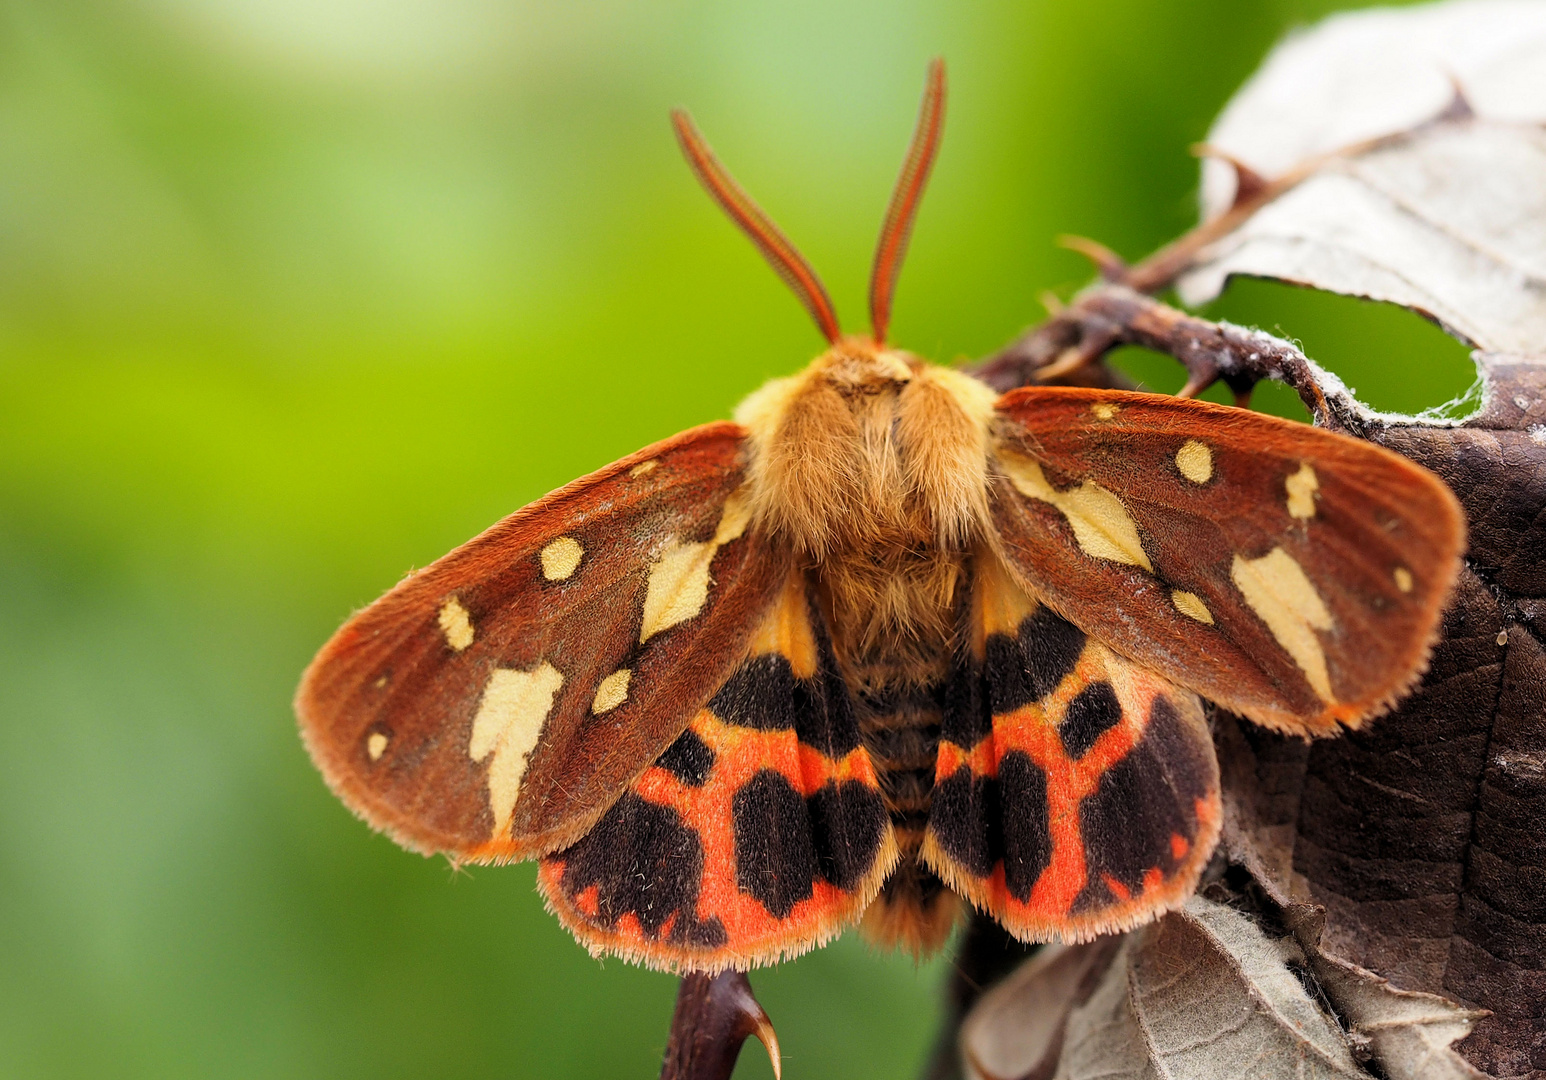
{"points": [[787, 262], [898, 226]]}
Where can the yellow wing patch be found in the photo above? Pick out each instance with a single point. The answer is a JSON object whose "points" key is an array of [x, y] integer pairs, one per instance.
{"points": [[561, 558], [1102, 526], [679, 579], [1191, 605], [1195, 461], [1278, 590], [1301, 488], [612, 692], [515, 705], [455, 624]]}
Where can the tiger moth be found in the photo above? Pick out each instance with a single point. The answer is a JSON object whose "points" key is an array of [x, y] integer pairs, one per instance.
{"points": [[886, 646]]}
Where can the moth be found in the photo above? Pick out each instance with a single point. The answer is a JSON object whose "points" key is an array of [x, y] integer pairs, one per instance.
{"points": [[886, 645]]}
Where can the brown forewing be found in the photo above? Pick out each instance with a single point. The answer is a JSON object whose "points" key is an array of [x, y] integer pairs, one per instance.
{"points": [[1377, 518], [391, 672]]}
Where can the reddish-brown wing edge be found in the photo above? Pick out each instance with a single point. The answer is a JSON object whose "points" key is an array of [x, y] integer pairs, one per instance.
{"points": [[1022, 404], [518, 530]]}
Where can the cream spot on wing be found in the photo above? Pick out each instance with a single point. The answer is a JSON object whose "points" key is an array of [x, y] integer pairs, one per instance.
{"points": [[455, 624], [1403, 579], [1195, 461], [515, 705], [679, 581], [1301, 491], [1502, 638], [1105, 410], [1277, 589], [612, 692], [376, 745], [1191, 605], [561, 557], [643, 467], [1102, 526]]}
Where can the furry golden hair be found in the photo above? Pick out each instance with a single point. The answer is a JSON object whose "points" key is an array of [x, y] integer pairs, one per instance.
{"points": [[873, 467]]}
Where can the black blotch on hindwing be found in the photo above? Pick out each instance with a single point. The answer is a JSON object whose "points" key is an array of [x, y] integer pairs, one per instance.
{"points": [[1027, 830], [689, 759], [965, 714], [982, 820], [1092, 897], [764, 694], [1094, 711], [1187, 762], [775, 854], [1143, 800], [785, 843], [760, 694], [965, 819], [646, 861], [1028, 666], [848, 821], [1052, 646]]}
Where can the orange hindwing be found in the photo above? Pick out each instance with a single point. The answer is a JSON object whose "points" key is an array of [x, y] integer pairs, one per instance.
{"points": [[758, 834], [1076, 794]]}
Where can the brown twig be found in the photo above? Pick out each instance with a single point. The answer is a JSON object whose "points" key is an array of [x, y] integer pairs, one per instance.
{"points": [[1065, 347], [714, 1015], [1068, 347]]}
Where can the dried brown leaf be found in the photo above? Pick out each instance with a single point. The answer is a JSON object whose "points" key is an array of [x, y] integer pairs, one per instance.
{"points": [[1451, 220], [1403, 865], [1203, 993], [1410, 1034], [1017, 1029]]}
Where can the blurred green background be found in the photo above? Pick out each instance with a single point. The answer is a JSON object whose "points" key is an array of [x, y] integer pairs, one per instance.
{"points": [[298, 294]]}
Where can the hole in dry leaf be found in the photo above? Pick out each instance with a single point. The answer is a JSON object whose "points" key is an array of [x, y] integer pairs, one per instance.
{"points": [[1394, 359]]}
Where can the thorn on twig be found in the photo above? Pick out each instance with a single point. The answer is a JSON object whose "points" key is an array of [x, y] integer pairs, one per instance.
{"points": [[1112, 267], [1249, 184], [1052, 302], [1459, 105], [714, 1015], [1196, 383], [1241, 383], [1069, 361]]}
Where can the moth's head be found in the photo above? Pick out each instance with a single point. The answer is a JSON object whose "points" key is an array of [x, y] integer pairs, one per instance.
{"points": [[864, 363], [857, 367], [855, 377]]}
